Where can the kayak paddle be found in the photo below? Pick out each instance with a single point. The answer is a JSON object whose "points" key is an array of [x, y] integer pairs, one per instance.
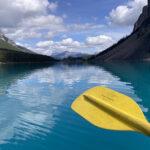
{"points": [[111, 110]]}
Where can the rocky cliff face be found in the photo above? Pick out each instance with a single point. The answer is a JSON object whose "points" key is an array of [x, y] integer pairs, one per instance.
{"points": [[142, 17]]}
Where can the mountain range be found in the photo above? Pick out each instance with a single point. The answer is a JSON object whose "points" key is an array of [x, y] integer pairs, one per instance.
{"points": [[136, 46], [67, 54]]}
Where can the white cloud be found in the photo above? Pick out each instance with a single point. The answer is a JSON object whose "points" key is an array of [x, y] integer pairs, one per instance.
{"points": [[24, 34], [53, 6], [71, 43], [40, 22], [50, 34], [83, 27], [44, 44], [29, 20], [91, 45], [49, 47], [13, 12], [100, 40], [126, 15], [26, 20]]}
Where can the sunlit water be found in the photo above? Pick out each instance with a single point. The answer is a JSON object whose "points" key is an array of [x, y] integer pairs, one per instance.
{"points": [[35, 102]]}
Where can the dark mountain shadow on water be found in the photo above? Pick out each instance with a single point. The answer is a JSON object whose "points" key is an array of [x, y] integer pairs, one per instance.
{"points": [[135, 73]]}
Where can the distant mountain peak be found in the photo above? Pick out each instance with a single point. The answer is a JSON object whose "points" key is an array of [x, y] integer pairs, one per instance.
{"points": [[67, 54]]}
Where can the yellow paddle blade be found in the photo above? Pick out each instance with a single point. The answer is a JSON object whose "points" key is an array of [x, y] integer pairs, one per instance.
{"points": [[111, 110]]}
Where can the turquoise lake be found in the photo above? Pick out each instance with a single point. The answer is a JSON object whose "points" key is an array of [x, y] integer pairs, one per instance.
{"points": [[35, 102]]}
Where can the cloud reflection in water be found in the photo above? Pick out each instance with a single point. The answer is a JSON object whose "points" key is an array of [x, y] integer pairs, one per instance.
{"points": [[33, 105]]}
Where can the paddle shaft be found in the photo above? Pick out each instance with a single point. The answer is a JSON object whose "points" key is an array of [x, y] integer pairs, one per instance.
{"points": [[135, 123]]}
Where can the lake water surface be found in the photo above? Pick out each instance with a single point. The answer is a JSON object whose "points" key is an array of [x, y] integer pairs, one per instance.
{"points": [[35, 102]]}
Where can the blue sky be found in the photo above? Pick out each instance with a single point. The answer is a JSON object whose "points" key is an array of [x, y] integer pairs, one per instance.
{"points": [[51, 26], [87, 9]]}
